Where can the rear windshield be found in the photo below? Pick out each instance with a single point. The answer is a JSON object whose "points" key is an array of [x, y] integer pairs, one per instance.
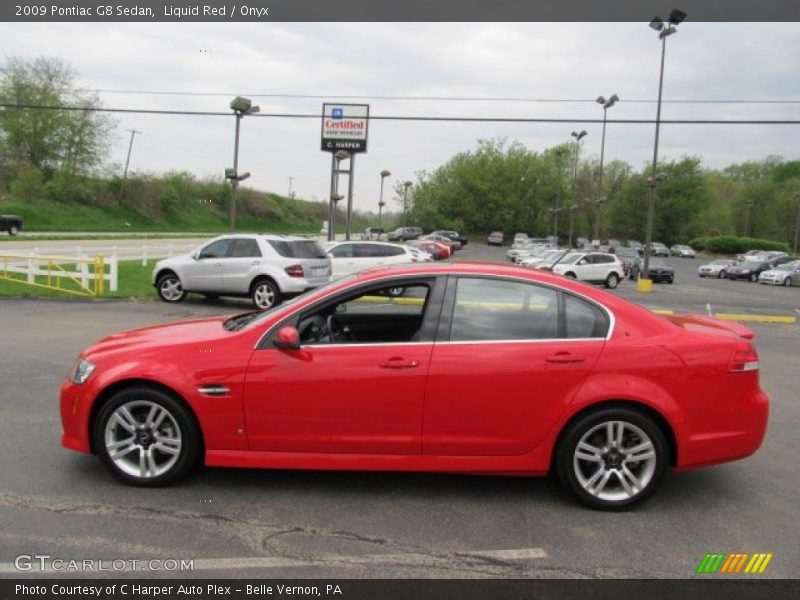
{"points": [[298, 249]]}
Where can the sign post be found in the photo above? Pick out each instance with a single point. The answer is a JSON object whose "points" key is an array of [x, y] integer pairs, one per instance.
{"points": [[344, 134]]}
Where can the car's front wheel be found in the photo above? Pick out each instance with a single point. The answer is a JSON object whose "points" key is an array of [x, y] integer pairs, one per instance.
{"points": [[612, 459], [13, 230], [787, 282], [146, 437], [721, 274], [169, 288]]}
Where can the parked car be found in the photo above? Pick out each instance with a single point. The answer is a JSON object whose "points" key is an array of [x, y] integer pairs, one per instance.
{"points": [[787, 274], [660, 271], [435, 249], [453, 235], [658, 249], [613, 244], [376, 234], [266, 268], [453, 244], [627, 257], [683, 251], [403, 234], [520, 237], [716, 268], [755, 253], [635, 245], [545, 256], [11, 223], [351, 257], [752, 268], [496, 238], [594, 267], [277, 389], [420, 254]]}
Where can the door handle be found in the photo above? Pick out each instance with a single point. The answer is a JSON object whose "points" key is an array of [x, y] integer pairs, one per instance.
{"points": [[219, 264], [255, 263], [564, 358], [398, 362]]}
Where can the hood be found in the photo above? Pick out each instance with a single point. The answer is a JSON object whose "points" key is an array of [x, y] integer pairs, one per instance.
{"points": [[168, 334]]}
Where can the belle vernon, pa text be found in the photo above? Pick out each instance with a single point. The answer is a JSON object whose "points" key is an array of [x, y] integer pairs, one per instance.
{"points": [[160, 591]]}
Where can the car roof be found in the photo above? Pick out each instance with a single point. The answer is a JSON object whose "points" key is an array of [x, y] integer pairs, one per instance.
{"points": [[365, 243]]}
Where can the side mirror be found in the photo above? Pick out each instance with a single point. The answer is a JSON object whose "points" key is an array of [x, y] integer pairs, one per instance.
{"points": [[196, 254], [288, 338]]}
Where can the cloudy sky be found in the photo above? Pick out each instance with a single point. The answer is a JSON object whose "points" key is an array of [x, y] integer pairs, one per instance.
{"points": [[705, 61]]}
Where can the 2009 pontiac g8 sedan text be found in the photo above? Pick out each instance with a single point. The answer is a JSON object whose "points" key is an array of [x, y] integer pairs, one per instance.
{"points": [[475, 368]]}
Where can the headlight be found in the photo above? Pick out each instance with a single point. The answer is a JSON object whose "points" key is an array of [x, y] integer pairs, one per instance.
{"points": [[83, 369]]}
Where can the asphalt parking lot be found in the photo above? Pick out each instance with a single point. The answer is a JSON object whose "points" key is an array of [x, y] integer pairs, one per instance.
{"points": [[239, 523]]}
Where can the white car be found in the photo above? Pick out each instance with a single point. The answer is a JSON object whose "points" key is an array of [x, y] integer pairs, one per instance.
{"points": [[535, 260], [353, 256], [787, 274], [683, 251], [264, 267], [716, 268], [592, 267]]}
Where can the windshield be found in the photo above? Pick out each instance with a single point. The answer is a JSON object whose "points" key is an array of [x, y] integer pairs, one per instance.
{"points": [[786, 267], [569, 259]]}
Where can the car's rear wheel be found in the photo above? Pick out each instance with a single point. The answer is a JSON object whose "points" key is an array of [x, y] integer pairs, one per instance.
{"points": [[265, 294], [612, 281], [13, 230], [169, 288], [146, 437], [612, 459]]}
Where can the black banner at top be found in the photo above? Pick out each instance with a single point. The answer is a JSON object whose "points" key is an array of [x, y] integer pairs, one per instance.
{"points": [[393, 10]]}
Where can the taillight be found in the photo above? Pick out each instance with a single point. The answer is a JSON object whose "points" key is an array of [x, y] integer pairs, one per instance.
{"points": [[295, 271], [744, 358]]}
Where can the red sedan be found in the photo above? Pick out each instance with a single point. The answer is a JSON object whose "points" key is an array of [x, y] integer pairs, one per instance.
{"points": [[477, 368]]}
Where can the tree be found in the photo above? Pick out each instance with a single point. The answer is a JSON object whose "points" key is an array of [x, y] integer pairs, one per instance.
{"points": [[46, 139]]}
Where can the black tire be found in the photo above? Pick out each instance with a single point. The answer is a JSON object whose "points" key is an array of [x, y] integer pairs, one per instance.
{"points": [[671, 281], [571, 275], [722, 274], [787, 282], [565, 461], [753, 277], [13, 230], [612, 281], [166, 290], [180, 424], [265, 294]]}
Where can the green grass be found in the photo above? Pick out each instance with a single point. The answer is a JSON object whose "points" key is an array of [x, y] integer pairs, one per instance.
{"points": [[133, 282], [46, 215]]}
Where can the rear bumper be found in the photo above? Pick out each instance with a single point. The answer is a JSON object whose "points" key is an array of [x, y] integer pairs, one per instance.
{"points": [[743, 434]]}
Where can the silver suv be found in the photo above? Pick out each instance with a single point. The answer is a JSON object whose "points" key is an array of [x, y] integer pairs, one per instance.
{"points": [[264, 267]]}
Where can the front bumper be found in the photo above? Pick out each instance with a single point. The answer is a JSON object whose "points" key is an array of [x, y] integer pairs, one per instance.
{"points": [[75, 402], [661, 277]]}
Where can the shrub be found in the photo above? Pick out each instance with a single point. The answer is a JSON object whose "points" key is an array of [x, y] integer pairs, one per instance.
{"points": [[731, 244], [29, 185], [699, 243]]}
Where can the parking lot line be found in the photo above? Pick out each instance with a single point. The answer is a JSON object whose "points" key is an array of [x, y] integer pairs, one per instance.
{"points": [[757, 318]]}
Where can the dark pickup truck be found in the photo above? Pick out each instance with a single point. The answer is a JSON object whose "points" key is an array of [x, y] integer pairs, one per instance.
{"points": [[10, 223]]}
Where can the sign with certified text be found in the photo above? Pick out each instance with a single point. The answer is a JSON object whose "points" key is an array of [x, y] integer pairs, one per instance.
{"points": [[344, 127]]}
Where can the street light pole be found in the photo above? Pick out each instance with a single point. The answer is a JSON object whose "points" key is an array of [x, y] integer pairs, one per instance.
{"points": [[797, 221], [235, 181], [675, 18], [127, 162], [291, 179], [600, 199], [241, 107], [406, 185], [573, 207], [381, 203]]}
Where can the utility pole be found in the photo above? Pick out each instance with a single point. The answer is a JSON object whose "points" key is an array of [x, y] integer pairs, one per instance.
{"points": [[291, 179], [127, 162]]}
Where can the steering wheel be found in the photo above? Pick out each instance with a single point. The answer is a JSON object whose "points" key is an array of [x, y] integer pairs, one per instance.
{"points": [[335, 331], [313, 326]]}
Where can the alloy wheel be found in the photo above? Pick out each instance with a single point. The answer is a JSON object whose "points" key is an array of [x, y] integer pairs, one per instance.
{"points": [[143, 439], [264, 295], [170, 288], [614, 461]]}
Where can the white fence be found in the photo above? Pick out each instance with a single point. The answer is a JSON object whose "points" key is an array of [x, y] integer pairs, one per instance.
{"points": [[143, 252], [88, 274]]}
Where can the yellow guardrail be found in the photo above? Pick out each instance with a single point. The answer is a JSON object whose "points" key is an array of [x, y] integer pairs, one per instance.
{"points": [[88, 278]]}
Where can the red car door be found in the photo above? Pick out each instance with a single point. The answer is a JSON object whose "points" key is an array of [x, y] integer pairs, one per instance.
{"points": [[508, 357], [364, 395]]}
